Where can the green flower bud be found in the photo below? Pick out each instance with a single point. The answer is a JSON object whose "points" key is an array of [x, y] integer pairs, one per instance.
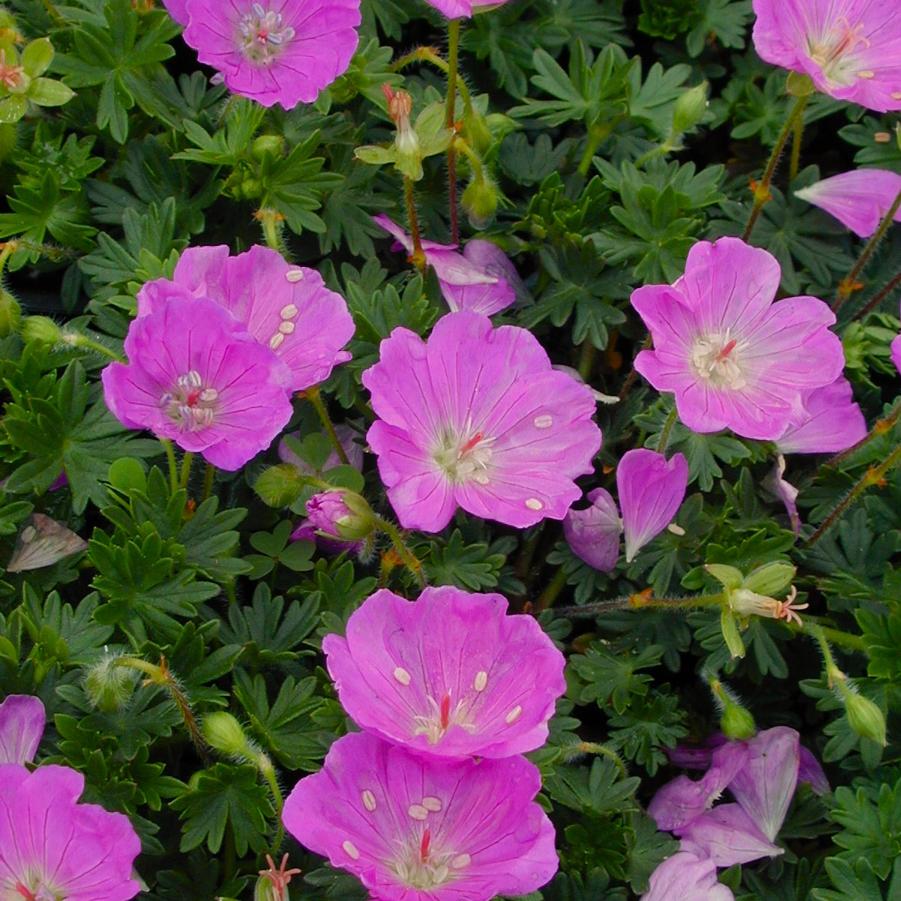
{"points": [[109, 687], [342, 514], [267, 145], [865, 716], [41, 330], [10, 314], [280, 485], [690, 109], [736, 721], [224, 733], [480, 201]]}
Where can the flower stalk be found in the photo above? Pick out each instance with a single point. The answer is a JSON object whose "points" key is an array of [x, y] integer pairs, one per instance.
{"points": [[314, 396], [453, 52], [418, 256], [410, 560]]}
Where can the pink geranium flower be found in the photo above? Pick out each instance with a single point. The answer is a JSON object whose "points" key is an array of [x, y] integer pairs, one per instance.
{"points": [[22, 719], [859, 199], [476, 417], [53, 847], [732, 357], [850, 48], [651, 490], [196, 377], [273, 51], [288, 309], [481, 278], [686, 877], [823, 421], [593, 533], [394, 675], [463, 9], [414, 828]]}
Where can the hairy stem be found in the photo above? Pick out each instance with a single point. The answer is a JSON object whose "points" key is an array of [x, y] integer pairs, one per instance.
{"points": [[186, 462], [667, 429], [641, 600], [314, 396], [418, 257], [410, 560], [550, 594], [453, 52], [173, 466], [878, 297], [209, 477], [795, 159]]}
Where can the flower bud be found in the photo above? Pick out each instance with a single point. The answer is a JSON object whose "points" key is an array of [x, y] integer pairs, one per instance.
{"points": [[108, 686], [341, 514], [736, 722], [690, 109], [267, 146], [406, 141], [475, 130], [224, 733], [480, 201], [41, 330], [865, 716], [10, 313]]}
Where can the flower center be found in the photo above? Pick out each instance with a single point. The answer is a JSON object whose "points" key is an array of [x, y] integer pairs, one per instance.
{"points": [[423, 864], [834, 52], [715, 359], [464, 457], [190, 403], [39, 893], [263, 34], [441, 717]]}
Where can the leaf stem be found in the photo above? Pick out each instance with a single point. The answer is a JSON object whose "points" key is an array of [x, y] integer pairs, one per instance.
{"points": [[641, 600], [878, 297], [762, 188], [264, 764], [209, 477], [453, 53], [186, 463], [549, 595], [881, 427], [411, 561], [173, 466], [314, 396], [795, 159], [667, 429], [418, 257]]}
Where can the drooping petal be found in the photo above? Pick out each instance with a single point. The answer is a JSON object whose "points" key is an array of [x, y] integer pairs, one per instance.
{"points": [[450, 675], [413, 828], [22, 720], [824, 420], [811, 771], [726, 835], [651, 490], [785, 491], [858, 199], [593, 533], [686, 877], [42, 542]]}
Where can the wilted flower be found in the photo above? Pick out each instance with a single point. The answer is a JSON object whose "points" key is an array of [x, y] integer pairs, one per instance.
{"points": [[732, 357], [272, 51], [849, 49], [859, 199], [686, 877], [393, 674], [197, 377], [22, 719], [824, 420], [463, 9], [476, 417], [593, 533], [54, 847], [42, 542], [651, 490], [481, 278], [286, 308], [414, 828]]}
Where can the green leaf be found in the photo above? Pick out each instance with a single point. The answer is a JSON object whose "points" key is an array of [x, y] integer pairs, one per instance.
{"points": [[48, 92], [872, 826]]}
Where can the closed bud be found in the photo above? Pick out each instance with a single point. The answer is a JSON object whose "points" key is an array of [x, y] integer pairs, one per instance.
{"points": [[267, 145], [224, 733], [341, 514], [108, 686], [41, 330], [475, 130], [736, 722], [480, 201], [10, 314], [864, 715], [690, 108]]}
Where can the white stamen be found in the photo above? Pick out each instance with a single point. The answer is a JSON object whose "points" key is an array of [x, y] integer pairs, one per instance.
{"points": [[294, 275], [286, 328], [208, 395], [675, 529], [431, 803], [351, 850], [368, 800], [402, 675], [461, 861], [481, 680], [275, 342], [289, 311], [545, 421], [513, 715], [866, 73], [417, 811], [534, 504]]}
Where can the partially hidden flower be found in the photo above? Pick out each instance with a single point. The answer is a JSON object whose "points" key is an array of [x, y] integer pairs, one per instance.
{"points": [[42, 542], [286, 308], [272, 51], [341, 514], [196, 377], [859, 199], [593, 533], [22, 720], [463, 9], [476, 417], [450, 675], [54, 847], [824, 420], [413, 828], [686, 877], [785, 491], [481, 278], [733, 358], [651, 490], [848, 49]]}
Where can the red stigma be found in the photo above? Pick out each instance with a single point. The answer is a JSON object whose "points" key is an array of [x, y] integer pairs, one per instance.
{"points": [[424, 845], [24, 892], [471, 443], [193, 397], [724, 353], [445, 711]]}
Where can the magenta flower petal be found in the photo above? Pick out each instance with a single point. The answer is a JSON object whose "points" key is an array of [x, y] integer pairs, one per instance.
{"points": [[651, 490], [178, 10], [593, 533], [727, 835], [811, 772], [476, 417], [733, 358], [274, 51], [765, 785], [480, 279], [22, 720], [858, 199], [286, 308], [450, 675], [824, 420], [415, 828], [850, 49], [196, 377], [55, 847], [896, 352], [686, 877], [785, 491]]}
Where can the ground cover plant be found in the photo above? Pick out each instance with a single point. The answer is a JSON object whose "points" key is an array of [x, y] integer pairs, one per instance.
{"points": [[450, 450]]}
